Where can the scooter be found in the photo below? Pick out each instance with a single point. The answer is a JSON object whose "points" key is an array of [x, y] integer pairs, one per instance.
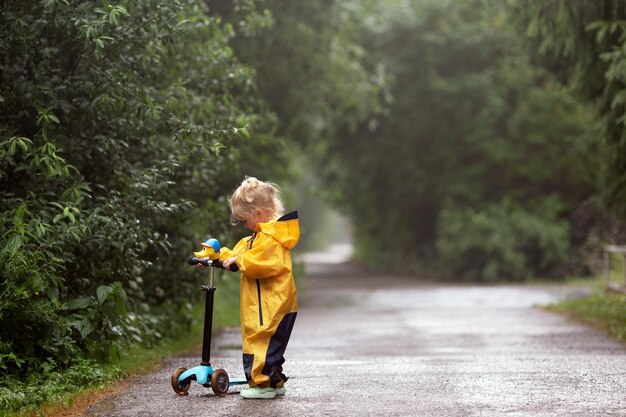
{"points": [[204, 374]]}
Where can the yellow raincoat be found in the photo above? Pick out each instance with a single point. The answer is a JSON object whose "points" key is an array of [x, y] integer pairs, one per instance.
{"points": [[268, 297]]}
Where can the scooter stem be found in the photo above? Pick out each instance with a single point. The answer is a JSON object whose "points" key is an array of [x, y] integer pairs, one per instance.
{"points": [[208, 322]]}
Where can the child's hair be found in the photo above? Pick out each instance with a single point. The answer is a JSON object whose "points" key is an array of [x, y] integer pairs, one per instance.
{"points": [[254, 194]]}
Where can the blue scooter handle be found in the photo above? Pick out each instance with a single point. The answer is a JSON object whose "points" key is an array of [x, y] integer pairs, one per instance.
{"points": [[192, 260]]}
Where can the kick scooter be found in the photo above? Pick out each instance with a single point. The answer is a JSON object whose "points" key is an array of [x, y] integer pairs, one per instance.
{"points": [[204, 374]]}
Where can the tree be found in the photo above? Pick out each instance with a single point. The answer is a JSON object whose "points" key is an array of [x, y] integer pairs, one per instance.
{"points": [[315, 75], [472, 131], [312, 71], [583, 43]]}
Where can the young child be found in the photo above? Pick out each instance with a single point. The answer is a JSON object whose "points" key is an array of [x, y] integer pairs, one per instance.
{"points": [[268, 292]]}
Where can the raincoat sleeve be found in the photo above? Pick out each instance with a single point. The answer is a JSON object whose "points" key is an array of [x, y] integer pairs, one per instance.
{"points": [[265, 259], [226, 253]]}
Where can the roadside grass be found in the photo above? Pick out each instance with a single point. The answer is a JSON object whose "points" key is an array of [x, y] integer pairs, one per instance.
{"points": [[60, 395], [606, 312], [594, 284]]}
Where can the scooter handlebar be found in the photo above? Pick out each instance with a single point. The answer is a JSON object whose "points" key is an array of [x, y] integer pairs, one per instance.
{"points": [[192, 260]]}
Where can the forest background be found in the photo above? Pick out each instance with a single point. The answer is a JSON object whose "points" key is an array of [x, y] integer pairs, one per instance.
{"points": [[474, 140]]}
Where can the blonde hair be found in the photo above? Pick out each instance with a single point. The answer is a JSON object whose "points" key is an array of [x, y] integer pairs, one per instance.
{"points": [[254, 194]]}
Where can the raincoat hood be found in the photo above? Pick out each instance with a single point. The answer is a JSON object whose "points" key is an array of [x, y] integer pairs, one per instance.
{"points": [[285, 230]]}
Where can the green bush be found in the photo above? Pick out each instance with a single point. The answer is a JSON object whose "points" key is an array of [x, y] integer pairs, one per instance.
{"points": [[123, 128], [503, 241], [51, 383]]}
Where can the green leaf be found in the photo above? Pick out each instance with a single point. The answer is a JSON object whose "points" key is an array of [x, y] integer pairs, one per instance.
{"points": [[103, 293], [182, 23], [23, 143], [122, 9], [244, 132], [54, 203], [85, 328], [14, 243], [78, 303]]}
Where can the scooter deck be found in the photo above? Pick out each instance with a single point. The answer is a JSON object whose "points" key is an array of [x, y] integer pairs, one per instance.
{"points": [[237, 381], [202, 375]]}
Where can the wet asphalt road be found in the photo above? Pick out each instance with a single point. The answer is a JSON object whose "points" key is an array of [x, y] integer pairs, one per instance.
{"points": [[375, 345]]}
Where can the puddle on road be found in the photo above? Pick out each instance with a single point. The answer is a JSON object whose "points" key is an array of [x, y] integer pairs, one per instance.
{"points": [[462, 297]]}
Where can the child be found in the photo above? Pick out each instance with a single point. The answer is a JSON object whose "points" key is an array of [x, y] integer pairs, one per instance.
{"points": [[268, 292]]}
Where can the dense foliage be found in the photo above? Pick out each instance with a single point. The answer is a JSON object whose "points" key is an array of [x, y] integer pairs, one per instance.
{"points": [[312, 70], [583, 42], [316, 76], [480, 162], [123, 129]]}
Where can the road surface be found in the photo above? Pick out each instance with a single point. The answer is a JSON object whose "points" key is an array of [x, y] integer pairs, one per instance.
{"points": [[385, 345]]}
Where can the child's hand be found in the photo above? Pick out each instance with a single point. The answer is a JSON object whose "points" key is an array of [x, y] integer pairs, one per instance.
{"points": [[228, 262], [202, 266]]}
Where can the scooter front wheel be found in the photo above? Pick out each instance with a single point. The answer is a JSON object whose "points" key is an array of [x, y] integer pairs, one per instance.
{"points": [[220, 382], [180, 388]]}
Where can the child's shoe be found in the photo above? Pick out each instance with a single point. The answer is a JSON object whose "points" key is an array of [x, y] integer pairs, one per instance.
{"points": [[280, 390], [258, 393]]}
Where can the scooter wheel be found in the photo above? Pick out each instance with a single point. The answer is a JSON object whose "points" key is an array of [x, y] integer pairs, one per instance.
{"points": [[180, 388], [220, 382]]}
